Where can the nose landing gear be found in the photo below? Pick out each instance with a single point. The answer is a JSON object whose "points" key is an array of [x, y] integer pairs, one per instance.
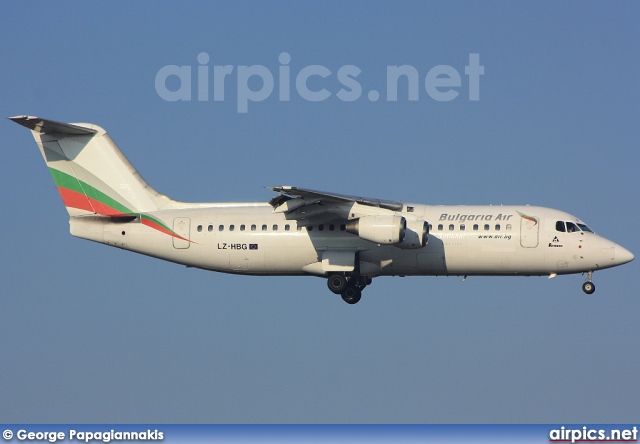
{"points": [[588, 287]]}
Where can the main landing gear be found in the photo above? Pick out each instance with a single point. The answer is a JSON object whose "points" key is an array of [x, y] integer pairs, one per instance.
{"points": [[588, 287], [349, 287]]}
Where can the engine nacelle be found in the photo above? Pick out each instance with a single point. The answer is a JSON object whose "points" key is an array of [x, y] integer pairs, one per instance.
{"points": [[381, 229], [417, 234]]}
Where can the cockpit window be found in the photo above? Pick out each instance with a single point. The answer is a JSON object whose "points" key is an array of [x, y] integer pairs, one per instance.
{"points": [[572, 228], [583, 227]]}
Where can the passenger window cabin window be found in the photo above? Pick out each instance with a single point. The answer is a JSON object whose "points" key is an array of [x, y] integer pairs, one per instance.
{"points": [[508, 227], [286, 227], [440, 227], [242, 227], [560, 226], [231, 227], [199, 228], [210, 228], [332, 227], [475, 227], [430, 227], [253, 227], [451, 227], [264, 227], [310, 228], [462, 227], [497, 227], [343, 227], [486, 227], [320, 227], [221, 228], [275, 227]]}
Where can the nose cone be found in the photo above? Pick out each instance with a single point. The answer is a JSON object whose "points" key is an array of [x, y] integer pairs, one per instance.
{"points": [[622, 255]]}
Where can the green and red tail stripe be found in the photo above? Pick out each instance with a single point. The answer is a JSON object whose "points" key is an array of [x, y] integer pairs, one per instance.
{"points": [[158, 225], [78, 194]]}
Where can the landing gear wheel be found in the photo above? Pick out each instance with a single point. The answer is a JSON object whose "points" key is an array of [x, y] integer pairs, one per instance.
{"points": [[337, 283], [588, 287], [351, 295], [362, 282]]}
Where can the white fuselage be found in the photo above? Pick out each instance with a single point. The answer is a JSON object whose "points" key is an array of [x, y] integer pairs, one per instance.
{"points": [[464, 240]]}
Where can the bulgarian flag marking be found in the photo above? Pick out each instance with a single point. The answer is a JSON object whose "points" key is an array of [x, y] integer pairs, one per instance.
{"points": [[78, 194], [530, 218]]}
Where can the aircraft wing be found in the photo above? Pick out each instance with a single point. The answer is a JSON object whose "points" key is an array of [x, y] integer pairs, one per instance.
{"points": [[314, 206], [322, 196]]}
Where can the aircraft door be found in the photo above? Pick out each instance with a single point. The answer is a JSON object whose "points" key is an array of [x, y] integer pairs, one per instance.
{"points": [[529, 231], [181, 227]]}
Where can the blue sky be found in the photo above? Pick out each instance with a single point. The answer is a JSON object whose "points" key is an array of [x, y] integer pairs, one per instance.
{"points": [[93, 334]]}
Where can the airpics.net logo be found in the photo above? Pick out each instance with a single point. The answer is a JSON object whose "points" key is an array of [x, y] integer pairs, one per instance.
{"points": [[256, 83]]}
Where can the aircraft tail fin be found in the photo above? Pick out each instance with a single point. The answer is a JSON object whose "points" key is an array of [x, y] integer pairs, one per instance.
{"points": [[91, 173]]}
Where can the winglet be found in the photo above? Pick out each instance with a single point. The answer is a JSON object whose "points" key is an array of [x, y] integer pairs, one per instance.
{"points": [[51, 127]]}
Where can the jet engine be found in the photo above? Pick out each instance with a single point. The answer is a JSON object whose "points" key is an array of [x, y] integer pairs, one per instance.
{"points": [[381, 229], [417, 235]]}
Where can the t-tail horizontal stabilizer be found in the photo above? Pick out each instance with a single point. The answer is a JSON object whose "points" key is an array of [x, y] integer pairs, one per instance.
{"points": [[92, 175]]}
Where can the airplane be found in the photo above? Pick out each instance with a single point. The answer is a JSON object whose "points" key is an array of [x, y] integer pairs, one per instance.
{"points": [[348, 240]]}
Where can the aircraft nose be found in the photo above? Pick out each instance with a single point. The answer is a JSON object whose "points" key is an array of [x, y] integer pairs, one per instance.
{"points": [[622, 255]]}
